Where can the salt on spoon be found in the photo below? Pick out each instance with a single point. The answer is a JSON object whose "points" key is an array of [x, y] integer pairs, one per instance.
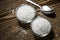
{"points": [[44, 9], [41, 27], [25, 13]]}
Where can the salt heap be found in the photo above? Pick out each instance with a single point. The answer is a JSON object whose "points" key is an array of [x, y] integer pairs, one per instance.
{"points": [[41, 26], [25, 13]]}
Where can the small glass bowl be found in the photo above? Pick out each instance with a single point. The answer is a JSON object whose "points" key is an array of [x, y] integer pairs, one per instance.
{"points": [[25, 13], [40, 27]]}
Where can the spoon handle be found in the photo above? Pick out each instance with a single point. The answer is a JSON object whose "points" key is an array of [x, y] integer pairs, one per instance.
{"points": [[33, 3]]}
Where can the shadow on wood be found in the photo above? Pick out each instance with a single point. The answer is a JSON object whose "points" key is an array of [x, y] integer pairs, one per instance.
{"points": [[48, 37], [52, 15], [24, 25]]}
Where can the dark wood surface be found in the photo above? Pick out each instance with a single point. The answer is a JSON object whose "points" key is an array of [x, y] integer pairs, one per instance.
{"points": [[11, 29]]}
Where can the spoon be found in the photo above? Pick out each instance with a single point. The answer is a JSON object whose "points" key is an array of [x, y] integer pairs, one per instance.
{"points": [[44, 9]]}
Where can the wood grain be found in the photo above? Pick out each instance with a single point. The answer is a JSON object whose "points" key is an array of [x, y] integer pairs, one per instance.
{"points": [[11, 29]]}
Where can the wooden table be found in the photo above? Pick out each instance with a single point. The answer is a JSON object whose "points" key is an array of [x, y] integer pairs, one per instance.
{"points": [[11, 29]]}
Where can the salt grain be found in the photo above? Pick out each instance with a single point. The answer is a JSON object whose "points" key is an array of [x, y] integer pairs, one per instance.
{"points": [[56, 35], [24, 31], [17, 36]]}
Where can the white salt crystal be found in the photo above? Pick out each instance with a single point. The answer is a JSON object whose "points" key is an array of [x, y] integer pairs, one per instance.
{"points": [[41, 26], [25, 13]]}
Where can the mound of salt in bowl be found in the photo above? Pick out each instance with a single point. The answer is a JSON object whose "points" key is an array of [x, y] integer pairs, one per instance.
{"points": [[25, 13], [41, 26]]}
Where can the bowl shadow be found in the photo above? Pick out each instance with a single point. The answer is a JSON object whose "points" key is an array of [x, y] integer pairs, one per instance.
{"points": [[24, 25], [48, 37], [52, 15]]}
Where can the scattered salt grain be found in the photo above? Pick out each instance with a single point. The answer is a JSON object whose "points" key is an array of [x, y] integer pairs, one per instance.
{"points": [[23, 31]]}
